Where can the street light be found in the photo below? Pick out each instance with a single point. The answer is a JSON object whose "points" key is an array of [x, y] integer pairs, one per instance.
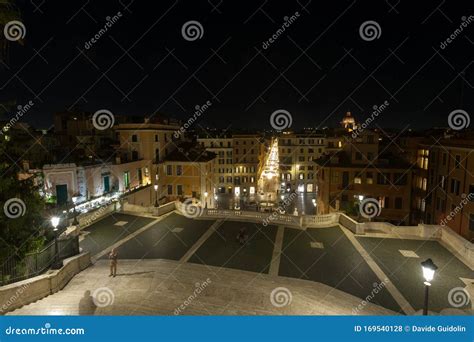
{"points": [[156, 195], [205, 198], [429, 269], [55, 223], [74, 213]]}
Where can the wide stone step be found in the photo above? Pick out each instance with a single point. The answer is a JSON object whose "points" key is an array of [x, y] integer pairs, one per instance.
{"points": [[163, 287]]}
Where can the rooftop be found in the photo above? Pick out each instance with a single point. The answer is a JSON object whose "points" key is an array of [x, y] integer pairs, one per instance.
{"points": [[190, 152], [343, 159]]}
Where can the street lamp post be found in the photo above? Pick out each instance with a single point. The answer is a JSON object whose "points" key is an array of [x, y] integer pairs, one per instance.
{"points": [[429, 269], [156, 195], [75, 222], [55, 223]]}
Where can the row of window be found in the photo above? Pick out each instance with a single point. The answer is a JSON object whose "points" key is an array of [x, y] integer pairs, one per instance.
{"points": [[301, 159], [284, 168], [226, 144], [134, 137], [308, 141], [384, 178], [228, 153], [302, 150], [237, 180], [424, 156], [244, 151], [178, 192], [169, 170]]}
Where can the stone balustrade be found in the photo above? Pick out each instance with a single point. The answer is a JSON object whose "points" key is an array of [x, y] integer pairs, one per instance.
{"points": [[23, 292]]}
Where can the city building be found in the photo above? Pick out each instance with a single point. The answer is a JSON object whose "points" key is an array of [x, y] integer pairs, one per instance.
{"points": [[348, 122], [90, 180], [248, 154], [239, 161], [297, 152], [222, 146], [357, 172], [187, 172], [75, 131], [444, 184], [149, 139]]}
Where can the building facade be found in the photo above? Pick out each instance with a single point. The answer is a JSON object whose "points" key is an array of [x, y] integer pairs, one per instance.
{"points": [[356, 173]]}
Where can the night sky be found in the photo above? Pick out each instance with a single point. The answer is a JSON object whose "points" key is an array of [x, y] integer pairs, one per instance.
{"points": [[319, 68]]}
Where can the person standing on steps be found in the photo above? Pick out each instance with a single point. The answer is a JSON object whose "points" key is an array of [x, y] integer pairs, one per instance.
{"points": [[242, 237], [113, 256]]}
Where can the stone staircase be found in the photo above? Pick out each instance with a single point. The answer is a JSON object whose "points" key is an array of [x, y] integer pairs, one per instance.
{"points": [[163, 287]]}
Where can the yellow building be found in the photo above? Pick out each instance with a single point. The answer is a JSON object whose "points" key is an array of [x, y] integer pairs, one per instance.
{"points": [[150, 140], [239, 159], [187, 172]]}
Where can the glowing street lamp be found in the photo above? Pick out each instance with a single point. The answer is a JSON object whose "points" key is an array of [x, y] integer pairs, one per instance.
{"points": [[205, 198], [55, 223], [156, 195], [429, 269]]}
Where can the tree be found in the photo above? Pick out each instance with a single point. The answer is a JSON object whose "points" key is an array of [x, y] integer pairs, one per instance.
{"points": [[21, 207]]}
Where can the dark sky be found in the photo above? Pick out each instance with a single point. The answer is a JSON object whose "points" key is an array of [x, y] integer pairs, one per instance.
{"points": [[317, 69]]}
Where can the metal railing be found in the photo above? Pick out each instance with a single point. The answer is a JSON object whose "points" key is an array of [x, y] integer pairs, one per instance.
{"points": [[12, 269]]}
